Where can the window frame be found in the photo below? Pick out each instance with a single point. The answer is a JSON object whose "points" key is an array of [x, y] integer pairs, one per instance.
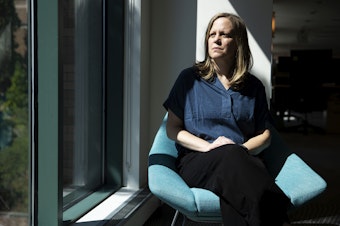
{"points": [[46, 173]]}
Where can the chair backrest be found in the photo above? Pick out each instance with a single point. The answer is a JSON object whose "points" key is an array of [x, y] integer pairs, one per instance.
{"points": [[163, 150]]}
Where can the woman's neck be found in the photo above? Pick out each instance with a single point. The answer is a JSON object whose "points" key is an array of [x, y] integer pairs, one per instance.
{"points": [[224, 80], [224, 70]]}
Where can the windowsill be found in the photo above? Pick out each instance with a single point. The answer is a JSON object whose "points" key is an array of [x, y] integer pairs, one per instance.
{"points": [[123, 205]]}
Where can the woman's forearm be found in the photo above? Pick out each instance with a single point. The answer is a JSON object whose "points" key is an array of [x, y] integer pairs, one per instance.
{"points": [[258, 143], [188, 140], [175, 131]]}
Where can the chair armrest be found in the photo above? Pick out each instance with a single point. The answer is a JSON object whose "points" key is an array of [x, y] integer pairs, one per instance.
{"points": [[299, 181], [169, 187]]}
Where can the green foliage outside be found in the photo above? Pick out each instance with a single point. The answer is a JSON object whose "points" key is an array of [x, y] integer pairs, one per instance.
{"points": [[14, 170], [7, 13], [8, 16]]}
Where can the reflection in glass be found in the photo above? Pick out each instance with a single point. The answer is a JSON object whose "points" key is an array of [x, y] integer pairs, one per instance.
{"points": [[81, 98]]}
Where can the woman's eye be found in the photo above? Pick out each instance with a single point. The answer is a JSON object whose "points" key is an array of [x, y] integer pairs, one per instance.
{"points": [[224, 35]]}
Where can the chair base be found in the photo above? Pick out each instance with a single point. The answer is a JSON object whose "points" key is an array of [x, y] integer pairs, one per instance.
{"points": [[174, 219], [186, 219]]}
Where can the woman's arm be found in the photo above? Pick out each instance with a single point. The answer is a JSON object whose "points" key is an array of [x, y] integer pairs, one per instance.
{"points": [[176, 131], [258, 143]]}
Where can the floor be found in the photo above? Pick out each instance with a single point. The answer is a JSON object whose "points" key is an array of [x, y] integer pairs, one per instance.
{"points": [[319, 147]]}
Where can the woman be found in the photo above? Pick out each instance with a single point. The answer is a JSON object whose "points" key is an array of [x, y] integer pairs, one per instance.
{"points": [[218, 117]]}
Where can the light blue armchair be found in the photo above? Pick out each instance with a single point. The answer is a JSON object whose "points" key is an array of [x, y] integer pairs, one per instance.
{"points": [[297, 180]]}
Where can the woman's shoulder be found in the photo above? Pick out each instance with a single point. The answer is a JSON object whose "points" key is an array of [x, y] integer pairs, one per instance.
{"points": [[252, 85], [189, 71], [189, 74], [253, 80]]}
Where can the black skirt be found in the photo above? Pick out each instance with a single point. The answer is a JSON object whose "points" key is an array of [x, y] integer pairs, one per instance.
{"points": [[248, 193]]}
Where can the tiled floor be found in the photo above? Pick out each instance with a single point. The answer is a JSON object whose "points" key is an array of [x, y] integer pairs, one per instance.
{"points": [[318, 148]]}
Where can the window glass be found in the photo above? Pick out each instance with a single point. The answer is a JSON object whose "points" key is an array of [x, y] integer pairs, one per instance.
{"points": [[14, 145], [81, 98]]}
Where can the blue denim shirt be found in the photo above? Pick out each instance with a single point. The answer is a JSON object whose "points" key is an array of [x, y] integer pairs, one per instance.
{"points": [[208, 110]]}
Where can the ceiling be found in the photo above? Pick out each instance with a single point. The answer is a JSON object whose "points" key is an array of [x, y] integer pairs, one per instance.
{"points": [[306, 24]]}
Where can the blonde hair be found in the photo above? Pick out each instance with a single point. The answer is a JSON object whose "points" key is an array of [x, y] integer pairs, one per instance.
{"points": [[243, 56]]}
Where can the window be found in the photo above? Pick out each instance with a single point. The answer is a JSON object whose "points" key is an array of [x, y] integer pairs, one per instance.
{"points": [[81, 98], [77, 55], [84, 100]]}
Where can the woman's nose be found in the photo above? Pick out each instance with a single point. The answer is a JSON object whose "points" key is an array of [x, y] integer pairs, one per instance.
{"points": [[217, 40]]}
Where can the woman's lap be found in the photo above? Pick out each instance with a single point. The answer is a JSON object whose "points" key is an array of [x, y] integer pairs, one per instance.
{"points": [[238, 178]]}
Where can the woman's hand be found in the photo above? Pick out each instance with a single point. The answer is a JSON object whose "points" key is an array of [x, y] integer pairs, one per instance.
{"points": [[221, 140]]}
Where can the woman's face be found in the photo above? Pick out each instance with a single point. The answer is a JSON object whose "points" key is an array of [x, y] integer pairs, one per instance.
{"points": [[221, 44]]}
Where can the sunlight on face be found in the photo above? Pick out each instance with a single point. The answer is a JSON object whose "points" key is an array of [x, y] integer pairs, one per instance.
{"points": [[221, 44]]}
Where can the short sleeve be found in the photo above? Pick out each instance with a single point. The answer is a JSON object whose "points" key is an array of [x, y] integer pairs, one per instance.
{"points": [[177, 96], [262, 115]]}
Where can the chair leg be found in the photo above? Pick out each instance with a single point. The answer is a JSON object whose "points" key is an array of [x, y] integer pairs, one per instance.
{"points": [[184, 220], [174, 219]]}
